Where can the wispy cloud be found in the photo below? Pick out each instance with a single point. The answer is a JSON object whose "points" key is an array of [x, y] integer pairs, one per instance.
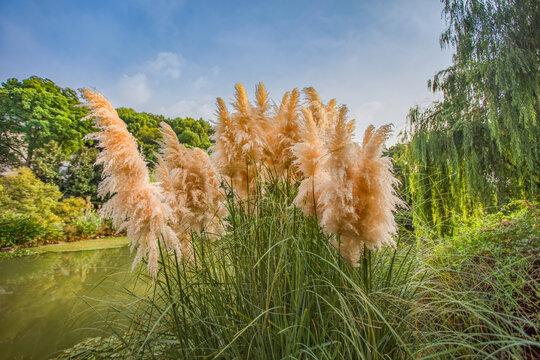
{"points": [[201, 82], [133, 90], [166, 63], [188, 108]]}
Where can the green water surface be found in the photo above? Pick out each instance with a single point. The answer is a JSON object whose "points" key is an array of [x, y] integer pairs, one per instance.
{"points": [[42, 310]]}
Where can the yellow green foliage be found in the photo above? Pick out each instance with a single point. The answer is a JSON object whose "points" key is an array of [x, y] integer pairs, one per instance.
{"points": [[23, 193], [32, 211]]}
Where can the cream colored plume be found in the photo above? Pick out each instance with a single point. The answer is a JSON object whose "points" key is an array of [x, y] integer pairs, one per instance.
{"points": [[135, 203], [283, 133], [240, 140], [308, 153], [353, 185], [323, 115], [190, 187]]}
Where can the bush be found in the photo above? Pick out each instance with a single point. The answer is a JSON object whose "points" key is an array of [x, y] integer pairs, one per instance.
{"points": [[71, 208], [88, 224], [482, 296], [33, 213], [23, 193], [16, 229]]}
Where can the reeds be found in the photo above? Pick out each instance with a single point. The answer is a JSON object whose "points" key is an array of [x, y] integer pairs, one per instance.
{"points": [[135, 204], [348, 187], [283, 133], [274, 288]]}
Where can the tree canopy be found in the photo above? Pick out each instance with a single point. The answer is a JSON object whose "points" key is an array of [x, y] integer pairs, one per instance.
{"points": [[145, 128], [32, 113], [41, 127]]}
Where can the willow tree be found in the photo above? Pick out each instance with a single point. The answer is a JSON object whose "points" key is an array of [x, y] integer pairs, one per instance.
{"points": [[479, 146]]}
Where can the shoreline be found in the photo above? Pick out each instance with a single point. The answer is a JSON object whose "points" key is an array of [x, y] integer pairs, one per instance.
{"points": [[81, 245]]}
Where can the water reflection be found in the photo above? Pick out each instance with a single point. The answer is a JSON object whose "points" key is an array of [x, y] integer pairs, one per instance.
{"points": [[41, 310]]}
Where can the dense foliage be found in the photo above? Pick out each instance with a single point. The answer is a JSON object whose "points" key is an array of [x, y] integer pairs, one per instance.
{"points": [[478, 146], [33, 212], [42, 127], [145, 128], [34, 112]]}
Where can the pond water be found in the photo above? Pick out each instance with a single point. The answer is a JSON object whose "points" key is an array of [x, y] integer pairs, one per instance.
{"points": [[42, 299]]}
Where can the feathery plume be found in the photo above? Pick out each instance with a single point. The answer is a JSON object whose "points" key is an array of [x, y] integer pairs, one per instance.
{"points": [[240, 140], [135, 203], [322, 114], [190, 187], [353, 187], [308, 153], [284, 133]]}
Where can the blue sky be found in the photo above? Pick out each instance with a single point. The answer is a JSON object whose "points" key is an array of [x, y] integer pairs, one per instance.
{"points": [[175, 57]]}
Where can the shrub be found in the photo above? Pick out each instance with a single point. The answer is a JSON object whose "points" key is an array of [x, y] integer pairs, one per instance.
{"points": [[71, 208], [17, 229], [483, 288], [88, 224], [24, 193], [32, 212]]}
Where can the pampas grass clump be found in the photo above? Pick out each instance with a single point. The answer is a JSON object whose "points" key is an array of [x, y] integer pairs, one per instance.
{"points": [[347, 186], [309, 160], [135, 204]]}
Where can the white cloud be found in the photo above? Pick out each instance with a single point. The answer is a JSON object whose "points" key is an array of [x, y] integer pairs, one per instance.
{"points": [[188, 108], [181, 108], [166, 63], [133, 90], [207, 112], [367, 112], [201, 82]]}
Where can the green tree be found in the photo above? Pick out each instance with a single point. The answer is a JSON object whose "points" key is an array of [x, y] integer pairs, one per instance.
{"points": [[478, 147], [82, 176], [199, 127], [47, 163], [189, 138], [145, 128], [32, 113]]}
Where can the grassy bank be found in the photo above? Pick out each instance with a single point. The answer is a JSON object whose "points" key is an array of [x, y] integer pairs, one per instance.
{"points": [[83, 245], [95, 244]]}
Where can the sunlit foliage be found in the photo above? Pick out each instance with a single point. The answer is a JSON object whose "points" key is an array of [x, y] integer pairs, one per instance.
{"points": [[478, 146]]}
